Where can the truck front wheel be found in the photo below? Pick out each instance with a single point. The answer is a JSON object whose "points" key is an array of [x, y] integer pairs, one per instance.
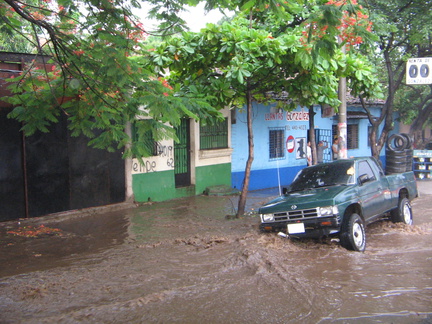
{"points": [[403, 212], [353, 235]]}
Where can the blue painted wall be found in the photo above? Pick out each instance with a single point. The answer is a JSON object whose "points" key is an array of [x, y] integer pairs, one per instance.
{"points": [[268, 173]]}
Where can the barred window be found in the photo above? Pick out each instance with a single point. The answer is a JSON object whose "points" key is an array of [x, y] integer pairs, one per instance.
{"points": [[276, 143], [214, 136], [352, 136], [146, 138]]}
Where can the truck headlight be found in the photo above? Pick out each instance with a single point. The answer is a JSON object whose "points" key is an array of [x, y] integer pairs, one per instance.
{"points": [[267, 217], [328, 211]]}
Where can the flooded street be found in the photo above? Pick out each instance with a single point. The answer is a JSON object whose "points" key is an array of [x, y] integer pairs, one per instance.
{"points": [[182, 261]]}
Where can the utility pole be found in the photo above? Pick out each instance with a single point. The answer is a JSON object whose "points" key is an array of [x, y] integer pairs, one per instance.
{"points": [[342, 123]]}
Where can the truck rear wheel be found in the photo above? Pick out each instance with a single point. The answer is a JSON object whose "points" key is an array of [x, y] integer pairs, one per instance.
{"points": [[403, 212], [353, 235]]}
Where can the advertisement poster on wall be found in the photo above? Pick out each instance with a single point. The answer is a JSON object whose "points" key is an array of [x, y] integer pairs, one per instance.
{"points": [[301, 147]]}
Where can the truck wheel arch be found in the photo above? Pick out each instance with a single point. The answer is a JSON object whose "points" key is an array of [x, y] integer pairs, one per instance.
{"points": [[351, 209], [403, 193]]}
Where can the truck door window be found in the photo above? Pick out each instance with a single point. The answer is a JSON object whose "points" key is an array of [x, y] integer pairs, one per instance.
{"points": [[365, 169]]}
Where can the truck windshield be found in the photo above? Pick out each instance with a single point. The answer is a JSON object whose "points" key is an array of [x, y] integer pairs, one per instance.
{"points": [[324, 175]]}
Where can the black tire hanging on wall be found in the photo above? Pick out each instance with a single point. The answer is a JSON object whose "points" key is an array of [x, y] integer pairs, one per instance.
{"points": [[409, 159], [408, 151], [395, 162], [410, 140], [397, 143], [396, 156], [399, 153]]}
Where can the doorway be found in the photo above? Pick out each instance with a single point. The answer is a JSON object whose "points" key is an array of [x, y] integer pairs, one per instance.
{"points": [[182, 169], [326, 136]]}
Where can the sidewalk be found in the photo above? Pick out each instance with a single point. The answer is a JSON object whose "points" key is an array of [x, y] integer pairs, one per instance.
{"points": [[424, 187]]}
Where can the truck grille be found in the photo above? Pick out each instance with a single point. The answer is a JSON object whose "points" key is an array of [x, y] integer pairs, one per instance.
{"points": [[295, 214]]}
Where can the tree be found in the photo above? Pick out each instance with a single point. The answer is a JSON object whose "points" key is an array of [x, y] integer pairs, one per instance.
{"points": [[415, 108], [403, 32], [263, 51], [96, 80]]}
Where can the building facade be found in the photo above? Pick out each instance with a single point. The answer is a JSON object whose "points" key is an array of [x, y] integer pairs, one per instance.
{"points": [[200, 159], [280, 140]]}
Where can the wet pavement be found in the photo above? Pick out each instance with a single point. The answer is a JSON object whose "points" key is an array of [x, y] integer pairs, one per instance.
{"points": [[183, 261], [93, 230]]}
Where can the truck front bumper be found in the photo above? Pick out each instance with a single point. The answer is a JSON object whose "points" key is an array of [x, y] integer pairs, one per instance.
{"points": [[315, 228]]}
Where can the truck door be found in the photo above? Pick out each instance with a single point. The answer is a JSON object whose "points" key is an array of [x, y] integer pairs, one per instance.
{"points": [[372, 191]]}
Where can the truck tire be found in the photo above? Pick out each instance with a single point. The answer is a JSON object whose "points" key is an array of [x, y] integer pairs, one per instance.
{"points": [[410, 140], [398, 161], [353, 235], [397, 143], [409, 159], [403, 212]]}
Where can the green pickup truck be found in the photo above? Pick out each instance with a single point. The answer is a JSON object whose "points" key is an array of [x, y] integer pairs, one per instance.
{"points": [[340, 198]]}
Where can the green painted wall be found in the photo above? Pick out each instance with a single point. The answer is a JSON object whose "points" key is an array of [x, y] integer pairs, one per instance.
{"points": [[212, 175], [154, 186], [160, 186]]}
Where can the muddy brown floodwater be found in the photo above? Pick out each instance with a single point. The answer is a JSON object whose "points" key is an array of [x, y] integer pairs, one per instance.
{"points": [[182, 261]]}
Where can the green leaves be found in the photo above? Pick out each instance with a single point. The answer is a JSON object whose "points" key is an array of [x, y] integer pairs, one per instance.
{"points": [[97, 80], [100, 83], [248, 57]]}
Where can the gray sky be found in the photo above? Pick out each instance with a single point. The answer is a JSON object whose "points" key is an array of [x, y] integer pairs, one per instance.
{"points": [[195, 18]]}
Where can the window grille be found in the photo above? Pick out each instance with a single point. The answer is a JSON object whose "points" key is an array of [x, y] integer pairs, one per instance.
{"points": [[214, 136], [352, 136], [277, 143]]}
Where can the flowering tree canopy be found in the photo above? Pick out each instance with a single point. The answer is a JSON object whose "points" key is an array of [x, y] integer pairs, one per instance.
{"points": [[92, 75], [101, 75]]}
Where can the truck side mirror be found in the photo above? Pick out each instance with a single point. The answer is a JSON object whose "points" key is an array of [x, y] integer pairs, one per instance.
{"points": [[284, 190], [363, 178]]}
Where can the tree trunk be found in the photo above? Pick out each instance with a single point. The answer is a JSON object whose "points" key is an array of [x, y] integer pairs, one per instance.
{"points": [[378, 142], [312, 138], [417, 125], [245, 187]]}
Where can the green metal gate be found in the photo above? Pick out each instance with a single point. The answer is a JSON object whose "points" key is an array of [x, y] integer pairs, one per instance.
{"points": [[182, 170]]}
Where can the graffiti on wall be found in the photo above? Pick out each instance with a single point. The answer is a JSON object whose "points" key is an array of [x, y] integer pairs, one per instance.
{"points": [[163, 161]]}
